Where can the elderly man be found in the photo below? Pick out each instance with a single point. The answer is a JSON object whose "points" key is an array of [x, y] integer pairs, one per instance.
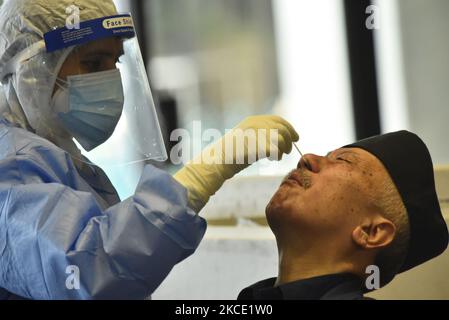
{"points": [[369, 203]]}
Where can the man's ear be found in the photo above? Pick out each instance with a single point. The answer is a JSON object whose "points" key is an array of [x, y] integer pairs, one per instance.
{"points": [[374, 233]]}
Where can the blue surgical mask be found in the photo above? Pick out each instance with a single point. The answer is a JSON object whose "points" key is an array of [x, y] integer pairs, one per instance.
{"points": [[90, 105]]}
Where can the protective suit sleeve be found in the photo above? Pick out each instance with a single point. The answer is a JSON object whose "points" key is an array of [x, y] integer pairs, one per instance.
{"points": [[56, 242]]}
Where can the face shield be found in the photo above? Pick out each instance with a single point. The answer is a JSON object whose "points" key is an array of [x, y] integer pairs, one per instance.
{"points": [[101, 99]]}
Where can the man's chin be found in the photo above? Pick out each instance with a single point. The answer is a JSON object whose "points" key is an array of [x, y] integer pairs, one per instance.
{"points": [[280, 198], [274, 210], [282, 207]]}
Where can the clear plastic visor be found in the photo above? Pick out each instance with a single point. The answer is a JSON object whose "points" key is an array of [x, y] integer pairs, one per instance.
{"points": [[102, 99]]}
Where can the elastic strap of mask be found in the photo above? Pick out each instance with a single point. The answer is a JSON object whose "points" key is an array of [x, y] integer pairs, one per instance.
{"points": [[61, 84], [12, 65], [55, 80]]}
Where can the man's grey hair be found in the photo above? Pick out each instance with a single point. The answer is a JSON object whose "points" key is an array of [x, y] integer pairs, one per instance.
{"points": [[390, 259]]}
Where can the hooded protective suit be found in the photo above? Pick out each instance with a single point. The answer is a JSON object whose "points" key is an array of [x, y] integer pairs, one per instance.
{"points": [[64, 234]]}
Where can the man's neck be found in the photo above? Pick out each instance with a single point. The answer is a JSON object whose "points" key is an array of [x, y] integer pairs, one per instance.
{"points": [[295, 266]]}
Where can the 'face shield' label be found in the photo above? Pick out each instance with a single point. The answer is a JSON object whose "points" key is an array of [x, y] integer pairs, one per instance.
{"points": [[118, 25]]}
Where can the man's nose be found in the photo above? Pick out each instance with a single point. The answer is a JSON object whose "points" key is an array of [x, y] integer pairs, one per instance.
{"points": [[312, 162]]}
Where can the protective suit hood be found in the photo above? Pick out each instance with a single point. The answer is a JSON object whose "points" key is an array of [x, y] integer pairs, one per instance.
{"points": [[27, 91]]}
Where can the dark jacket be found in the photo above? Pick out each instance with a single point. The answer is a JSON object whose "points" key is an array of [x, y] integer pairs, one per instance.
{"points": [[343, 286]]}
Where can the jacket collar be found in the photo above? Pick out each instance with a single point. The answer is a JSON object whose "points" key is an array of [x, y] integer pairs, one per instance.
{"points": [[327, 287]]}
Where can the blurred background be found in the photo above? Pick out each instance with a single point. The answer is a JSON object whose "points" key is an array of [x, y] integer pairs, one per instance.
{"points": [[338, 70]]}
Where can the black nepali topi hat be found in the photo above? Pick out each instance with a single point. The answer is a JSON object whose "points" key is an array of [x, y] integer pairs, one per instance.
{"points": [[408, 161]]}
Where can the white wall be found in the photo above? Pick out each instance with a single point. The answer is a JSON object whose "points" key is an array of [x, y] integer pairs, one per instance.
{"points": [[314, 73], [413, 49], [228, 260]]}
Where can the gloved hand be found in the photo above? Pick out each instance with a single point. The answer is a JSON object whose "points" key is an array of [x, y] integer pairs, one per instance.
{"points": [[205, 174]]}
